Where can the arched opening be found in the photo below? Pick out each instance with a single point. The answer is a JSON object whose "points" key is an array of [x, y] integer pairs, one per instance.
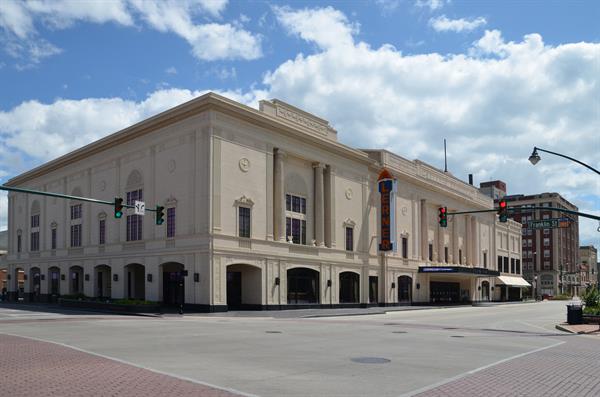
{"points": [[244, 287], [75, 280], [34, 284], [302, 286], [53, 283], [485, 291], [102, 289], [349, 287], [135, 285], [173, 283], [404, 289], [19, 283]]}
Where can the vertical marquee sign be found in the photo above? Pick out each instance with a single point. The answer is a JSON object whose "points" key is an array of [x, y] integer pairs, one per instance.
{"points": [[387, 191]]}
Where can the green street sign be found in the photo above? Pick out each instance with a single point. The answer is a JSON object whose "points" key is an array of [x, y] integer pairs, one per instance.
{"points": [[552, 223]]}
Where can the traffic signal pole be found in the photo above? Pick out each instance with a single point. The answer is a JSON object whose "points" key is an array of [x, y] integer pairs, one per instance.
{"points": [[65, 196], [582, 214]]}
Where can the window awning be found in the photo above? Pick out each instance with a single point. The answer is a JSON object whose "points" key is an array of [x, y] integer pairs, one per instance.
{"points": [[513, 281]]}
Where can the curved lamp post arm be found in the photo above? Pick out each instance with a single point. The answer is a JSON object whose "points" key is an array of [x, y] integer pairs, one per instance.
{"points": [[534, 158]]}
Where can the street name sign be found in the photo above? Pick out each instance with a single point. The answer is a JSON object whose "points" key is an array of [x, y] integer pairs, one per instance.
{"points": [[551, 223], [140, 208]]}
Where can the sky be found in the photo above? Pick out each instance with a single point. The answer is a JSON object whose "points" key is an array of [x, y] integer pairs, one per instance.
{"points": [[494, 78]]}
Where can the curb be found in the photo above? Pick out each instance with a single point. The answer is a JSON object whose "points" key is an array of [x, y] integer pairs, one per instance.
{"points": [[561, 328]]}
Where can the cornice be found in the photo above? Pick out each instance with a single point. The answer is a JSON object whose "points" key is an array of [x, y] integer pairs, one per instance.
{"points": [[209, 101]]}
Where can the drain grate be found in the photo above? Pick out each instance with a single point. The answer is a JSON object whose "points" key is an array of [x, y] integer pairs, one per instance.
{"points": [[273, 332], [370, 360]]}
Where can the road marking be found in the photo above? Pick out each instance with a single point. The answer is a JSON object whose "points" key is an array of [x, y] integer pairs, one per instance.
{"points": [[230, 390], [460, 376]]}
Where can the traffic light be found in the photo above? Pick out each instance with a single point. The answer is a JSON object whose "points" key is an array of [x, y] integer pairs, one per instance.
{"points": [[443, 216], [118, 207], [503, 211], [160, 214]]}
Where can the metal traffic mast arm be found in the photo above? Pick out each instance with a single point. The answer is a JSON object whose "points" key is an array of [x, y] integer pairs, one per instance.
{"points": [[535, 158]]}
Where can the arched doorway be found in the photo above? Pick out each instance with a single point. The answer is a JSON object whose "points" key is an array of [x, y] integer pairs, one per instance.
{"points": [[485, 291], [135, 285], [302, 286], [244, 287], [404, 289], [34, 284], [102, 289], [349, 287], [53, 283], [173, 283], [75, 280]]}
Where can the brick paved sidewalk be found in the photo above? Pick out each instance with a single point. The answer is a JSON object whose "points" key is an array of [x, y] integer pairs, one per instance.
{"points": [[570, 369], [31, 368], [590, 329]]}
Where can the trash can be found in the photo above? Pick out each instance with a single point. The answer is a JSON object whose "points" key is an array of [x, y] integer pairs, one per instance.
{"points": [[574, 314]]}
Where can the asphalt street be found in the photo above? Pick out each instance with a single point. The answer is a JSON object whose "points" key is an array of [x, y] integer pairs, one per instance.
{"points": [[392, 354]]}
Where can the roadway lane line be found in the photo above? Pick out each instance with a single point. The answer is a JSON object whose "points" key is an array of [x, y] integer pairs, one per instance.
{"points": [[227, 389], [460, 376]]}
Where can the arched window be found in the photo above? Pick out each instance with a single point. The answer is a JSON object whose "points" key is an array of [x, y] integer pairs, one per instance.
{"points": [[53, 235]]}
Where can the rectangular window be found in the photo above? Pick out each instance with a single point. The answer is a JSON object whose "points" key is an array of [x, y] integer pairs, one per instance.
{"points": [[303, 205], [76, 211], [35, 220], [446, 254], [546, 231], [296, 204], [102, 231], [518, 262], [546, 253], [512, 265], [296, 231], [244, 222], [505, 264], [134, 222], [171, 223], [349, 239], [405, 247], [288, 202], [75, 235], [431, 252], [288, 228], [460, 257], [499, 263], [53, 238], [546, 241], [485, 260], [303, 234], [35, 241], [19, 243]]}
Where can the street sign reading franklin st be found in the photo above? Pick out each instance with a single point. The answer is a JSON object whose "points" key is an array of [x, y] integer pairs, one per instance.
{"points": [[551, 223]]}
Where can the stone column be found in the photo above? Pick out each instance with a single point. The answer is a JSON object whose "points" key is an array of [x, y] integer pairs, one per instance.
{"points": [[475, 246], [424, 232], [330, 207], [319, 213], [441, 244], [279, 196], [454, 239], [467, 244]]}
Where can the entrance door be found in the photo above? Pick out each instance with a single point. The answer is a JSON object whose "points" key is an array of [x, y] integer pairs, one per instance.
{"points": [[234, 289], [373, 289], [173, 288], [444, 292], [404, 289]]}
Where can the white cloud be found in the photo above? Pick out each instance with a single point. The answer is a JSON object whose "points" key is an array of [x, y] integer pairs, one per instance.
{"points": [[209, 41], [443, 24], [326, 27], [432, 5], [171, 70]]}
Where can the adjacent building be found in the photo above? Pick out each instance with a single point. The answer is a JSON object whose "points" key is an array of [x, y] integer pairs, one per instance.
{"points": [[550, 239], [264, 209], [588, 256]]}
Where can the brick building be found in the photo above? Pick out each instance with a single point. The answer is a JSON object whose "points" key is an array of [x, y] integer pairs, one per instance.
{"points": [[550, 256], [588, 255]]}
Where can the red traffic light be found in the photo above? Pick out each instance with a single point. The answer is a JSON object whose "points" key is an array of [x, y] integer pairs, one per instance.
{"points": [[502, 204]]}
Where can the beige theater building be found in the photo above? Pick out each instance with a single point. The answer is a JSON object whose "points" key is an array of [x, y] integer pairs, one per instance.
{"points": [[264, 209]]}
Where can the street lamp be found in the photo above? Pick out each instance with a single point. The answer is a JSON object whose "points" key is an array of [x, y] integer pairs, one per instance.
{"points": [[535, 287], [535, 158]]}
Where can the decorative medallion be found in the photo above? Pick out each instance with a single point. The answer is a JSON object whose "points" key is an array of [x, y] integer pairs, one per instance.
{"points": [[244, 164], [404, 210], [349, 194], [171, 166]]}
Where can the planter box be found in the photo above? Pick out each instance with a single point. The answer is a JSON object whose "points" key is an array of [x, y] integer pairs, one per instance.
{"points": [[109, 307], [591, 318]]}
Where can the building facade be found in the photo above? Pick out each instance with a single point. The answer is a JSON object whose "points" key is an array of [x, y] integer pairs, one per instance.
{"points": [[588, 256], [264, 209]]}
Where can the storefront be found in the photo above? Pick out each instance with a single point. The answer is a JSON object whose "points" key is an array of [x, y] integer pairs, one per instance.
{"points": [[456, 284], [510, 287]]}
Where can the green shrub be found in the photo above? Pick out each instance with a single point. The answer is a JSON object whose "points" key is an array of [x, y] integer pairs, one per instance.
{"points": [[591, 297], [75, 296], [593, 310], [562, 297], [132, 302]]}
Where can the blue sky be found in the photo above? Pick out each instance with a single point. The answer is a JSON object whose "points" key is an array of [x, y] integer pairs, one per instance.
{"points": [[493, 77]]}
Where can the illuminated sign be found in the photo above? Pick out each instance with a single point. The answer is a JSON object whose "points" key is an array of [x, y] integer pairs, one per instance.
{"points": [[387, 190]]}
